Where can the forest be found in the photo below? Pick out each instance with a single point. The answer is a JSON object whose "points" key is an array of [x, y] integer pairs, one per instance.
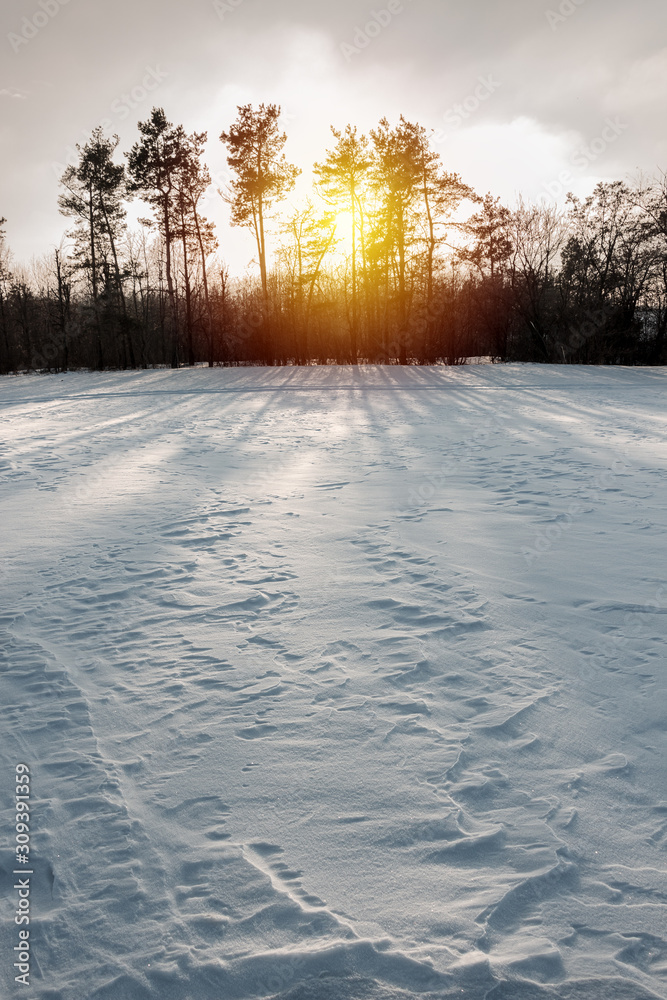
{"points": [[391, 259]]}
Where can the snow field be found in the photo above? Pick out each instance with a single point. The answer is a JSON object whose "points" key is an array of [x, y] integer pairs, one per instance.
{"points": [[338, 683]]}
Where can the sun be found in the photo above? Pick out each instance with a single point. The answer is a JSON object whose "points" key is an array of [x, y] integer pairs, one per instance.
{"points": [[344, 225]]}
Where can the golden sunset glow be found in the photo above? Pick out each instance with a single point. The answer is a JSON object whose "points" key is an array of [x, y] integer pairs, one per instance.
{"points": [[344, 234]]}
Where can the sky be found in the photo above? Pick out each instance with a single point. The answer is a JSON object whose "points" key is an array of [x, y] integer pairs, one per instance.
{"points": [[529, 97]]}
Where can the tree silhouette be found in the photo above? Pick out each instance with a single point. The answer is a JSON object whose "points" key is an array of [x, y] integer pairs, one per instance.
{"points": [[489, 229], [7, 359], [196, 234], [263, 175], [153, 164], [93, 197], [341, 178], [310, 237], [430, 274]]}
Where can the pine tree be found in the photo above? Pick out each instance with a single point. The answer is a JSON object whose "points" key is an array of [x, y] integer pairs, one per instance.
{"points": [[195, 232], [95, 189], [154, 162], [262, 174], [342, 178]]}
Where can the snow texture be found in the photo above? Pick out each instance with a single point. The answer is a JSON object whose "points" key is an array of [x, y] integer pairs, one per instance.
{"points": [[338, 683]]}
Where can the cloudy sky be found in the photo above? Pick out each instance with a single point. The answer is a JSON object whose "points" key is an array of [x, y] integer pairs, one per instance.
{"points": [[531, 96]]}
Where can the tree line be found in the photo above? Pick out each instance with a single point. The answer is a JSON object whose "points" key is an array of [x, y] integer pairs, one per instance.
{"points": [[391, 259]]}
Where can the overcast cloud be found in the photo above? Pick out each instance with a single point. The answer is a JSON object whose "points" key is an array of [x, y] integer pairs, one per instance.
{"points": [[516, 93]]}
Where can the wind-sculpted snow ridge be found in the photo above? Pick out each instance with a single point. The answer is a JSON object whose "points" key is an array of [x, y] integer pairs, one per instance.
{"points": [[338, 684]]}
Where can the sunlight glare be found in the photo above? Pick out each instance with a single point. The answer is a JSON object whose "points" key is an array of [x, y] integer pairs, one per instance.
{"points": [[344, 232]]}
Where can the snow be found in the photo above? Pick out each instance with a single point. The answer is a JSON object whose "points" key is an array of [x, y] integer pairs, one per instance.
{"points": [[337, 683]]}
